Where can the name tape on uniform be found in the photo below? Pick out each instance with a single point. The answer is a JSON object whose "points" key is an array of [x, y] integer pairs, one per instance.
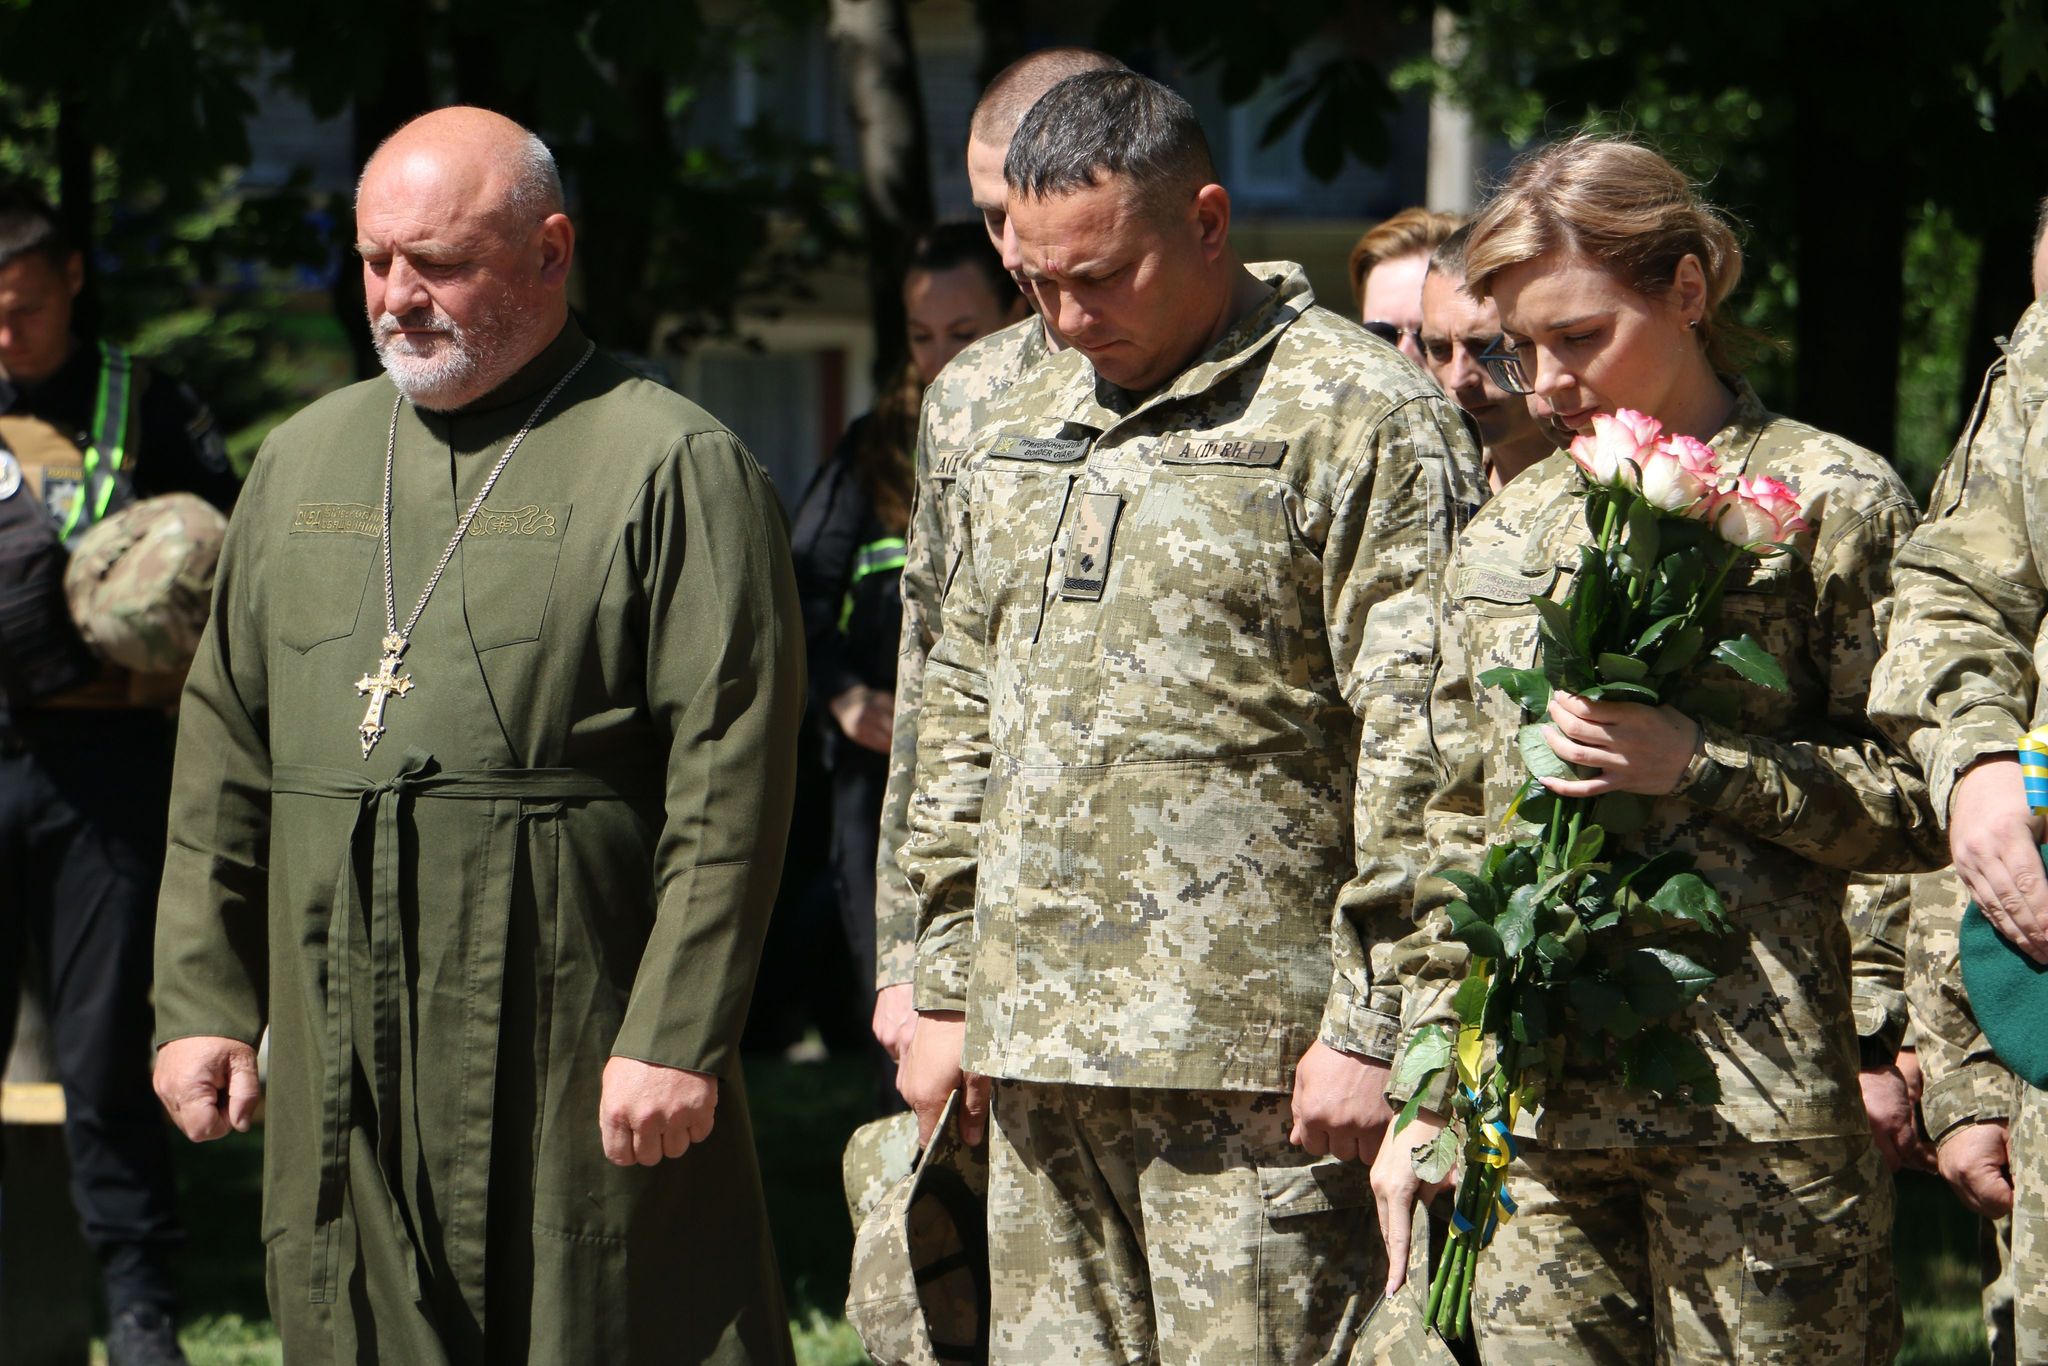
{"points": [[1179, 450], [1051, 450]]}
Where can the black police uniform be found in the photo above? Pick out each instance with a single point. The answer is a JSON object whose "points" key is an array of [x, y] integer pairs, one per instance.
{"points": [[849, 568], [84, 802]]}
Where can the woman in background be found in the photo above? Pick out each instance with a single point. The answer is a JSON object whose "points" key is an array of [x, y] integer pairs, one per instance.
{"points": [[848, 543], [1387, 266]]}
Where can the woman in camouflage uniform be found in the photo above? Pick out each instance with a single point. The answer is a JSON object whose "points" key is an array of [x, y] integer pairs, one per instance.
{"points": [[1756, 1228]]}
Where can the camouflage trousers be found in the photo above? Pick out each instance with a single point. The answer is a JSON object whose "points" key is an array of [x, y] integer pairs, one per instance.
{"points": [[2028, 1160], [1133, 1225], [1994, 1252], [1735, 1252]]}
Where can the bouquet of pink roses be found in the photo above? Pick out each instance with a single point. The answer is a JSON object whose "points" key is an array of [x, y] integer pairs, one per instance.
{"points": [[1578, 947]]}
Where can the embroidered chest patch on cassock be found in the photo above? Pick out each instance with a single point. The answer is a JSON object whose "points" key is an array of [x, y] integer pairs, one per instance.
{"points": [[335, 519], [531, 520]]}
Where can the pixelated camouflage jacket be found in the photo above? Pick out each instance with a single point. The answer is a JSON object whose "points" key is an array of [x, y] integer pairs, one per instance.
{"points": [[1133, 833], [1780, 810], [1965, 1083], [1876, 908], [953, 413], [1961, 680]]}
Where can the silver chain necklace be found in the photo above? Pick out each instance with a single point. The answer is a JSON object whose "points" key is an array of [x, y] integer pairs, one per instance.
{"points": [[386, 683]]}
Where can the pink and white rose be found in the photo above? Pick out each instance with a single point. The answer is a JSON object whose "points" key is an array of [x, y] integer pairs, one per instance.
{"points": [[1679, 474], [1758, 511], [1614, 452]]}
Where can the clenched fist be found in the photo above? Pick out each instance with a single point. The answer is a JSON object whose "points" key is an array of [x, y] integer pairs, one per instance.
{"points": [[648, 1112], [209, 1086]]}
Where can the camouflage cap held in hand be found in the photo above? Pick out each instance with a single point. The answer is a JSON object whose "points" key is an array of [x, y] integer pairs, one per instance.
{"points": [[1397, 1331], [920, 1288], [141, 582]]}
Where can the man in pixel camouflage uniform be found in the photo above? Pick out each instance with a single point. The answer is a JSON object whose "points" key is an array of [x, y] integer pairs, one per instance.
{"points": [[1968, 1087], [1960, 686], [953, 412], [1970, 1098], [1196, 555]]}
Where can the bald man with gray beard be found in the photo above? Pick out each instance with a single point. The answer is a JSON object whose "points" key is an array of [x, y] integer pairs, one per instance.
{"points": [[483, 777]]}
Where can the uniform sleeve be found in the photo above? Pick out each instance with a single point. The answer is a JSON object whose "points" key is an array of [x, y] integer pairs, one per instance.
{"points": [[1836, 794], [1876, 911], [183, 450], [1960, 682], [1965, 1081], [212, 928], [1390, 539], [1426, 963], [922, 585], [953, 756], [725, 681], [824, 544]]}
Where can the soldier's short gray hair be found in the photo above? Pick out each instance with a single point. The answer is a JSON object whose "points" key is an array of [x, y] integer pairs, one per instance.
{"points": [[1109, 125]]}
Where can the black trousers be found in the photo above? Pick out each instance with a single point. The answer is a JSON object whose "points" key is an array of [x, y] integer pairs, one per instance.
{"points": [[84, 800], [859, 777]]}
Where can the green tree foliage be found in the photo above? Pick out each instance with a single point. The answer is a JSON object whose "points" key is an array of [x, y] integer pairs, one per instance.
{"points": [[133, 125], [1885, 155], [688, 226], [1345, 101], [1828, 128], [133, 118]]}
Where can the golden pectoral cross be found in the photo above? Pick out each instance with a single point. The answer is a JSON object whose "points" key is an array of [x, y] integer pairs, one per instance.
{"points": [[380, 687]]}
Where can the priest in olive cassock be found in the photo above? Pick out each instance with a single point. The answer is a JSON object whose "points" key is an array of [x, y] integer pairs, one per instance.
{"points": [[483, 776]]}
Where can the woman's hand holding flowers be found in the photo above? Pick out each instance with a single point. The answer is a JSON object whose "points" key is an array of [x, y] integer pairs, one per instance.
{"points": [[1636, 747]]}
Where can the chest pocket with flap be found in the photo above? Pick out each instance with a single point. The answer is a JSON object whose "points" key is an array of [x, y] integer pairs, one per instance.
{"points": [[332, 565], [508, 570]]}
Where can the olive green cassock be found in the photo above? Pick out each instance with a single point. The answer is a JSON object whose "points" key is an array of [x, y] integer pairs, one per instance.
{"points": [[564, 849]]}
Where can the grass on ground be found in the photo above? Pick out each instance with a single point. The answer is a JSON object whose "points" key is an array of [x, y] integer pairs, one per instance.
{"points": [[802, 1115]]}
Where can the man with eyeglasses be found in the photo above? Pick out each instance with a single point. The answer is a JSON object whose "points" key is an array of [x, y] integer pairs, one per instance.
{"points": [[1462, 351]]}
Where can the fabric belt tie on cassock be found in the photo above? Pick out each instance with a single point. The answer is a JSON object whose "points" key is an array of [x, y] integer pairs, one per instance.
{"points": [[379, 807]]}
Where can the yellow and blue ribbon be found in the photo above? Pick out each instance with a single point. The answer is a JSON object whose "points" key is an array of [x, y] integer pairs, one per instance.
{"points": [[2034, 766], [1496, 1149]]}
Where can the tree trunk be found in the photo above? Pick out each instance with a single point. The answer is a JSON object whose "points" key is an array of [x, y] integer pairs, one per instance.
{"points": [[615, 218], [871, 42], [1849, 217], [405, 90], [75, 209]]}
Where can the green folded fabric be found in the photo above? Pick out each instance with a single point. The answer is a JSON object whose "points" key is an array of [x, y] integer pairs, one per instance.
{"points": [[2009, 994]]}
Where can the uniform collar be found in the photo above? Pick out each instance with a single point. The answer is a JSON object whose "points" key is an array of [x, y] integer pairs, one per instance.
{"points": [[1744, 427], [1093, 402]]}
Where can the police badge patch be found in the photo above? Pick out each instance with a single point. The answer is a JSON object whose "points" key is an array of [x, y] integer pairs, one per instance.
{"points": [[10, 475], [61, 494]]}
